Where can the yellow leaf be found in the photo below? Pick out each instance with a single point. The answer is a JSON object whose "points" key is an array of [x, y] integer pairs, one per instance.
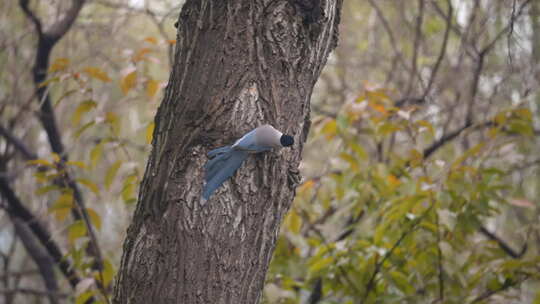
{"points": [[427, 125], [330, 128], [172, 41], [49, 81], [81, 130], [294, 222], [150, 132], [379, 108], [415, 157], [76, 231], [79, 164], [46, 189], [83, 108], [95, 219], [62, 206], [377, 96], [140, 55], [393, 180], [97, 73], [127, 192], [360, 152], [107, 273], [351, 160], [524, 113], [306, 186], [501, 117], [128, 82], [388, 128], [112, 119], [40, 162], [111, 173], [151, 40], [95, 154], [152, 87], [59, 64], [471, 152], [89, 184], [55, 157], [84, 297]]}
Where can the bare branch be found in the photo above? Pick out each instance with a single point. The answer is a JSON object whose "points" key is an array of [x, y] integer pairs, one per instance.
{"points": [[30, 14], [18, 144], [416, 46], [503, 245], [40, 256], [507, 284], [60, 28], [16, 209], [442, 52]]}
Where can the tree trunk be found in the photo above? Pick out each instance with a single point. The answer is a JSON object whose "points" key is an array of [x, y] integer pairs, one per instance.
{"points": [[238, 64]]}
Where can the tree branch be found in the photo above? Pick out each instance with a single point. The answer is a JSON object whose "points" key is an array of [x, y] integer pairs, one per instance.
{"points": [[18, 144], [60, 28], [507, 284], [442, 52], [30, 14], [40, 256], [503, 245], [15, 208], [46, 42]]}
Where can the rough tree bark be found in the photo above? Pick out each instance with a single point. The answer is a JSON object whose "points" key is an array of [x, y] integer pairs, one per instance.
{"points": [[238, 64]]}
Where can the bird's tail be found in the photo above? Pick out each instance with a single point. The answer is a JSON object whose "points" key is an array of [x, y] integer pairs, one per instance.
{"points": [[218, 169]]}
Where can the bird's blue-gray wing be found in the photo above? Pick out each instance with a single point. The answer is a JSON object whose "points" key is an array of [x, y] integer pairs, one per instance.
{"points": [[220, 168], [219, 151]]}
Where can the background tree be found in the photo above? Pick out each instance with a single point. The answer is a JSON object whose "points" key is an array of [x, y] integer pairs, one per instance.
{"points": [[389, 161]]}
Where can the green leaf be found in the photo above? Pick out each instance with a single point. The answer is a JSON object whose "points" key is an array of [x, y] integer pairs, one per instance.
{"points": [[83, 108], [402, 282], [521, 127], [360, 152], [111, 174], [319, 264], [76, 230]]}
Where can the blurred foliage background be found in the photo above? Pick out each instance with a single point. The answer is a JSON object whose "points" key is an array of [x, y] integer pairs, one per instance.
{"points": [[421, 172]]}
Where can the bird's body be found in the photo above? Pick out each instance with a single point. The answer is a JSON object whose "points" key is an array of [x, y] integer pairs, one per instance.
{"points": [[226, 160]]}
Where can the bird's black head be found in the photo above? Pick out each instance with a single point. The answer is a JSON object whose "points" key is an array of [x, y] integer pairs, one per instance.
{"points": [[286, 140]]}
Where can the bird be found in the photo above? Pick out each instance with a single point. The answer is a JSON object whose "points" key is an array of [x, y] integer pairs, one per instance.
{"points": [[224, 161]]}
